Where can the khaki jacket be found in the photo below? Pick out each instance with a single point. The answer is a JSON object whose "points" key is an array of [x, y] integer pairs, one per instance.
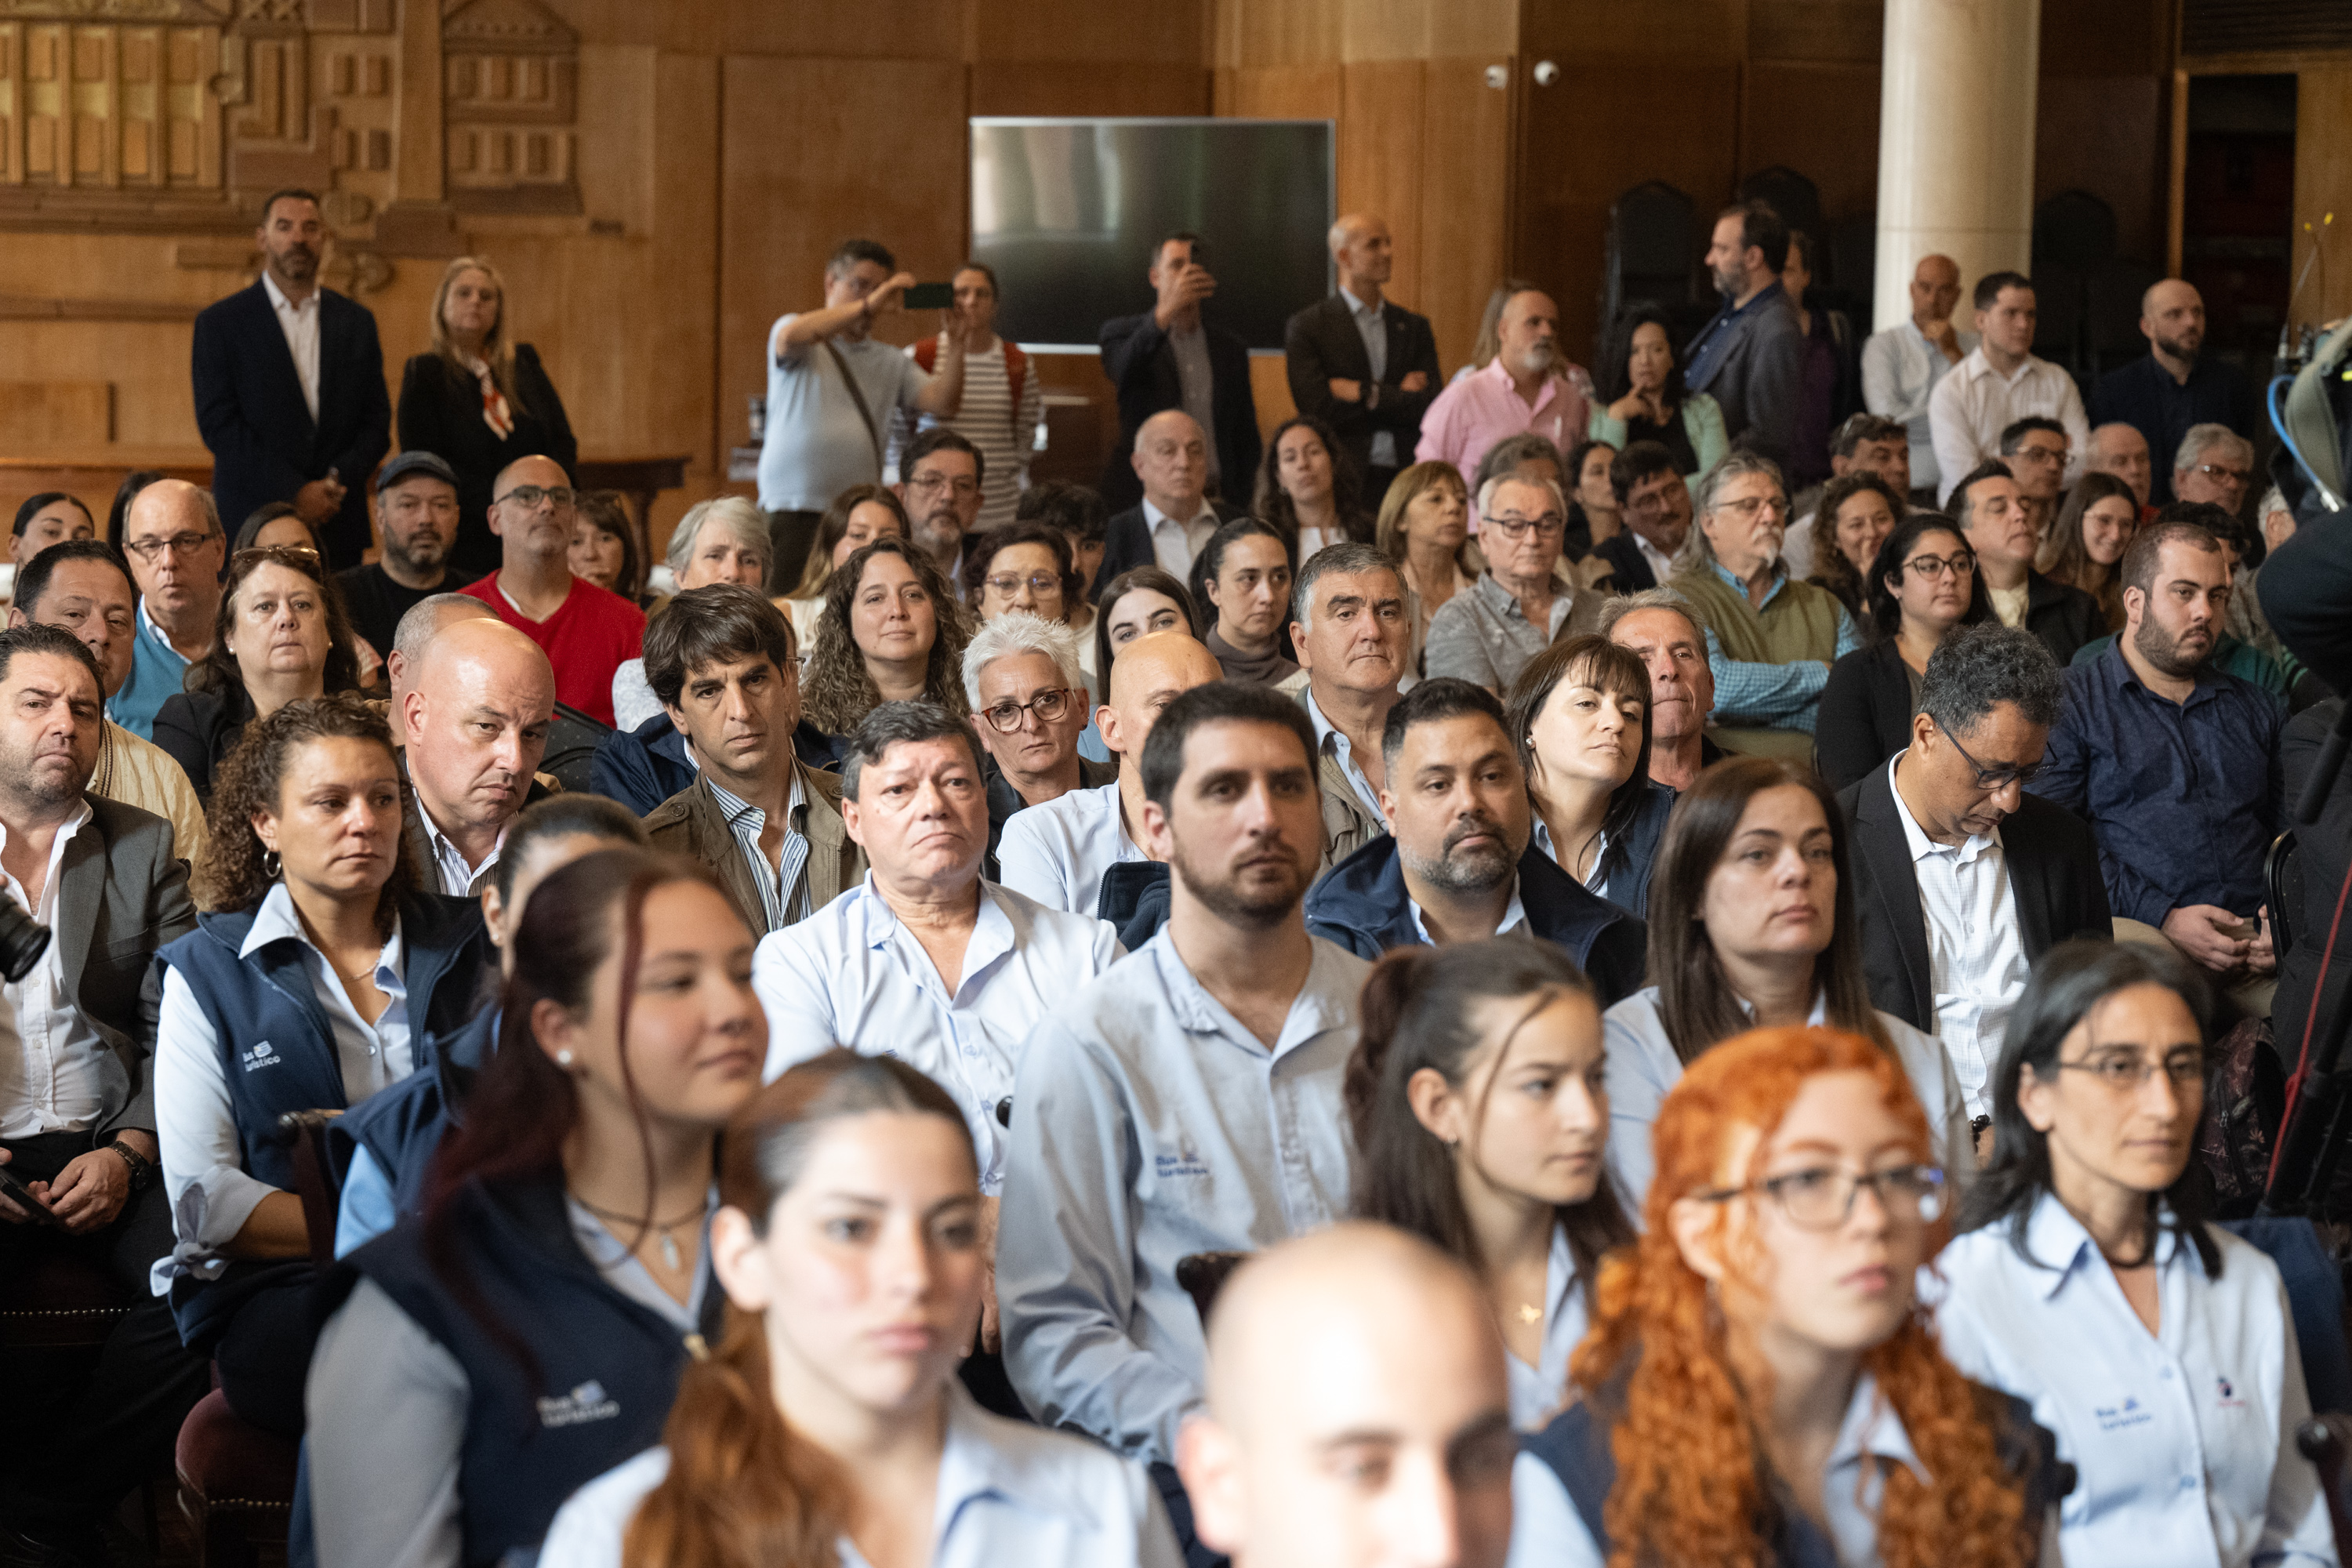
{"points": [[691, 823]]}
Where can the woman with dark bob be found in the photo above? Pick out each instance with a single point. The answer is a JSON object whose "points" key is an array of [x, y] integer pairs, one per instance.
{"points": [[525, 1334], [1579, 714], [1923, 586], [2085, 1280], [315, 979], [891, 632], [281, 636], [1481, 1117], [1241, 581]]}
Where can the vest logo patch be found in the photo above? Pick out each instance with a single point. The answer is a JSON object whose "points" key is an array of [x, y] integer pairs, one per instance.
{"points": [[583, 1403], [261, 1056], [2116, 1417]]}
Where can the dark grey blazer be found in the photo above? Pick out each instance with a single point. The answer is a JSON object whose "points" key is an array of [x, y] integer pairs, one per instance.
{"points": [[121, 895], [1755, 378], [1321, 342]]}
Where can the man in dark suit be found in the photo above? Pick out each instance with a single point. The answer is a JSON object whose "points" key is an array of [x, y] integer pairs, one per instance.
{"points": [[1175, 517], [1655, 501], [1750, 357], [290, 388], [1169, 358], [77, 1105], [1963, 878], [1362, 363]]}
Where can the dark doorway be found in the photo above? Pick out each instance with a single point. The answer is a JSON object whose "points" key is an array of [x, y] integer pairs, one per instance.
{"points": [[2238, 213]]}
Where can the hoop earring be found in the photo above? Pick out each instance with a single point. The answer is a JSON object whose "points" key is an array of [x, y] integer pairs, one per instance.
{"points": [[271, 866]]}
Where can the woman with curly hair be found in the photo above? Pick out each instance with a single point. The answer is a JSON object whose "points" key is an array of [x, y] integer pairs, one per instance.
{"points": [[1307, 488], [857, 517], [314, 979], [1761, 1385], [1857, 511], [2086, 1270], [891, 632], [282, 635], [829, 1426]]}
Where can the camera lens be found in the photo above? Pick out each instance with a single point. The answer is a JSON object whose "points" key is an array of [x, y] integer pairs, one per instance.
{"points": [[23, 939]]}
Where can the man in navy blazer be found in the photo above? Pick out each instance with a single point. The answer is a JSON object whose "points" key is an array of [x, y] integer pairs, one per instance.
{"points": [[290, 388], [1751, 356], [1167, 358]]}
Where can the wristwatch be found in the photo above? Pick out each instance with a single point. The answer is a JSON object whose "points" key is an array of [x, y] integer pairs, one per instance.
{"points": [[142, 1169]]}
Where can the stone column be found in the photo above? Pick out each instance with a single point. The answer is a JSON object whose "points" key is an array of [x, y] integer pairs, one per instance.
{"points": [[1957, 99]]}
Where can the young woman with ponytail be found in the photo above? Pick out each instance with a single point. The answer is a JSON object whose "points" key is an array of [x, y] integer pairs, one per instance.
{"points": [[1481, 1119], [525, 1334], [1761, 1385], [829, 1426]]}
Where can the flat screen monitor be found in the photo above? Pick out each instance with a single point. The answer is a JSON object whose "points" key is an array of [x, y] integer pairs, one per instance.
{"points": [[1068, 212]]}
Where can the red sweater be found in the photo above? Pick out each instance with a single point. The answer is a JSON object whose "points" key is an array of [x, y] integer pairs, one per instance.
{"points": [[592, 634]]}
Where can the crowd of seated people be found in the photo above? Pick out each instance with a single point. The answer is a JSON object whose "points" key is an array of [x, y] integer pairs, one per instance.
{"points": [[1674, 941]]}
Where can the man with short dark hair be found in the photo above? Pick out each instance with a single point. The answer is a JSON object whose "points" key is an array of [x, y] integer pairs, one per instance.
{"points": [[1901, 365], [50, 517], [416, 518], [1962, 879], [1361, 362], [1458, 862], [1993, 518], [1654, 501], [721, 661], [1864, 444], [940, 484], [1353, 632], [1999, 383], [1750, 357], [1188, 1101], [171, 535], [1169, 358], [999, 410], [1529, 388], [290, 388], [473, 721], [2035, 450], [1659, 627], [2174, 764], [832, 388], [2178, 385]]}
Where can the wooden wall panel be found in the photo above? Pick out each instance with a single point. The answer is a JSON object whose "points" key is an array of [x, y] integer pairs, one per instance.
{"points": [[1280, 93], [1057, 87], [1664, 34], [1165, 32], [1821, 120], [2323, 178], [1465, 192], [1380, 157]]}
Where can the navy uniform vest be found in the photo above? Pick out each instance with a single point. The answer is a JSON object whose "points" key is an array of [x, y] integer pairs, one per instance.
{"points": [[401, 1127], [608, 1367]]}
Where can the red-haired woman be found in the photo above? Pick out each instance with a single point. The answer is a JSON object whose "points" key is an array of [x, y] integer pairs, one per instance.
{"points": [[1760, 1386]]}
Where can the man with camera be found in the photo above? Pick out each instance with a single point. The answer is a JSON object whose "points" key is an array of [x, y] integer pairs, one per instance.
{"points": [[78, 1152]]}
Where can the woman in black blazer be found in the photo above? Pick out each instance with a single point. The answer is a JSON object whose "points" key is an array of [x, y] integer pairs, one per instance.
{"points": [[1922, 584], [480, 402]]}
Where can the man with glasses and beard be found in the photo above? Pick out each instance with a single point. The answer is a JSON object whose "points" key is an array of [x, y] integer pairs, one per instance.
{"points": [[1188, 1101], [940, 489], [416, 516]]}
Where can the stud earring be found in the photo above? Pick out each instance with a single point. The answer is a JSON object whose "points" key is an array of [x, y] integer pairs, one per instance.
{"points": [[563, 1058]]}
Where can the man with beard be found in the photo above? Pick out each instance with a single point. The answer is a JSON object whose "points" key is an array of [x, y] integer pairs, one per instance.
{"points": [[2174, 764], [473, 721], [416, 516], [1750, 358], [2175, 387], [290, 390], [1458, 863], [939, 484], [586, 632], [1189, 1099], [1529, 385]]}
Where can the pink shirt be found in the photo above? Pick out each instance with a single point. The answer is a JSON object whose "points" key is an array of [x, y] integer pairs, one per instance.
{"points": [[1483, 408]]}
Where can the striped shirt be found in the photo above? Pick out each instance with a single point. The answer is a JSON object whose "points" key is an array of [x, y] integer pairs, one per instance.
{"points": [[988, 420], [784, 891]]}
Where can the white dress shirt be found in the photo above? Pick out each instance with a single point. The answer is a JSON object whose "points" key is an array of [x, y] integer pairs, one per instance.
{"points": [[2183, 1439], [194, 1120], [1900, 369], [51, 1061], [1972, 406], [1057, 853], [1175, 543], [1662, 565], [852, 974], [1975, 951], [301, 325]]}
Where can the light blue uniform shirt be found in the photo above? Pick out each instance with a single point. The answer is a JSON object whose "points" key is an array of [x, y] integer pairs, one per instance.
{"points": [[1148, 1124], [2181, 1439], [1057, 853], [156, 673], [852, 974], [1008, 1494]]}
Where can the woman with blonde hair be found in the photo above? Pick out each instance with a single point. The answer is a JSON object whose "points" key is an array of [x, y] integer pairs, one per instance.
{"points": [[1424, 528], [479, 400]]}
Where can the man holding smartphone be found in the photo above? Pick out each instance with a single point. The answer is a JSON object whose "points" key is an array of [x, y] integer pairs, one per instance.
{"points": [[1168, 357], [833, 392]]}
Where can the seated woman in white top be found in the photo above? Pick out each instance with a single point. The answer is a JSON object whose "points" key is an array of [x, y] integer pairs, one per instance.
{"points": [[829, 1424], [1797, 1195], [1752, 926], [2158, 1348], [720, 540], [1480, 1118]]}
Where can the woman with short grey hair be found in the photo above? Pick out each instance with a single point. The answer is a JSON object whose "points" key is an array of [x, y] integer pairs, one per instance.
{"points": [[722, 540]]}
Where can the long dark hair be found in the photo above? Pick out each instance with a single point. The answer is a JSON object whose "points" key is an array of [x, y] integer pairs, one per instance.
{"points": [[1831, 570], [2068, 984], [1212, 559], [837, 691], [1598, 662], [835, 524], [218, 672], [1617, 368], [1151, 580], [1272, 503], [2068, 557], [604, 512], [1884, 610], [1695, 1001], [126, 493], [1415, 1014], [744, 1490]]}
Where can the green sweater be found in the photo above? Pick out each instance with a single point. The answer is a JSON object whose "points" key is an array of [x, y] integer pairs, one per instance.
{"points": [[1800, 622]]}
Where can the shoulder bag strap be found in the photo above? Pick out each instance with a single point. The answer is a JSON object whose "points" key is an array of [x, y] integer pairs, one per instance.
{"points": [[856, 395]]}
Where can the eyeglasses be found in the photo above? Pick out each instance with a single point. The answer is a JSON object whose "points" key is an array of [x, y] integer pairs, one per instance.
{"points": [[1960, 564], [2041, 454], [150, 550], [1036, 582], [1821, 1197], [2125, 1073], [528, 497], [931, 484], [1993, 779], [1645, 502], [2230, 476], [1550, 525], [1748, 506], [1005, 716]]}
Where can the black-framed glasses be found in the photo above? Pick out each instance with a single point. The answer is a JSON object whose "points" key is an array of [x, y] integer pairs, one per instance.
{"points": [[931, 484], [1550, 525], [1821, 1198], [2125, 1073], [528, 497], [1960, 563], [151, 550], [1004, 718], [2216, 471], [1036, 582], [1990, 778]]}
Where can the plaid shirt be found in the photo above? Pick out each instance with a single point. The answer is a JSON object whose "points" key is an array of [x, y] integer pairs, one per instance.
{"points": [[1771, 695]]}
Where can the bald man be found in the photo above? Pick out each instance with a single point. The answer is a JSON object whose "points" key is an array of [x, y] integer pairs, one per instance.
{"points": [[586, 632], [1168, 357], [1057, 853], [2121, 451], [1358, 1411], [173, 538], [1361, 362], [420, 624], [1176, 516], [2177, 386], [1901, 365], [473, 719]]}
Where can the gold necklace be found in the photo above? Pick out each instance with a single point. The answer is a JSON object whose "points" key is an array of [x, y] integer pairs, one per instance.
{"points": [[1530, 1313]]}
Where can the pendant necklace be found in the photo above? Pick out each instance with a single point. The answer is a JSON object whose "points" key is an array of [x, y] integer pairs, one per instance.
{"points": [[661, 1228]]}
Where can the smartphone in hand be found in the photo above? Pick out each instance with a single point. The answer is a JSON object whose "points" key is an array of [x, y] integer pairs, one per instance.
{"points": [[928, 297], [17, 1192]]}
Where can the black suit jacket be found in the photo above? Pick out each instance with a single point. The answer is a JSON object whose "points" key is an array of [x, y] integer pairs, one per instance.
{"points": [[2065, 618], [1633, 567], [1142, 365], [122, 894], [1866, 713], [1321, 344], [441, 412], [2055, 886], [249, 408], [1127, 544]]}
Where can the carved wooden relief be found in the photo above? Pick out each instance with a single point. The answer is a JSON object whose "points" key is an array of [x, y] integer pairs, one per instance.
{"points": [[511, 84]]}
